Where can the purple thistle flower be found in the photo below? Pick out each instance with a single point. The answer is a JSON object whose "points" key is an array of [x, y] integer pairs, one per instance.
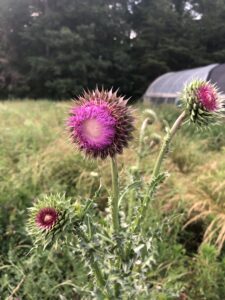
{"points": [[202, 102], [95, 127], [46, 218], [101, 124], [208, 96]]}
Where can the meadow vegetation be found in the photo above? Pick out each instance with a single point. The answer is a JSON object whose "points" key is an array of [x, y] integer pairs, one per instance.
{"points": [[187, 217]]}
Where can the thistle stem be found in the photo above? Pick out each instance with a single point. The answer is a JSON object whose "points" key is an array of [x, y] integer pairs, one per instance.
{"points": [[141, 140], [93, 262], [165, 146], [115, 195], [164, 149], [98, 273]]}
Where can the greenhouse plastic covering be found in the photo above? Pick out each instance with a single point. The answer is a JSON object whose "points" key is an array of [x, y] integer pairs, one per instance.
{"points": [[217, 76], [170, 84]]}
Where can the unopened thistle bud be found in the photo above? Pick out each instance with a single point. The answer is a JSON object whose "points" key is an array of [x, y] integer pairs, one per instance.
{"points": [[203, 102], [151, 115], [101, 124]]}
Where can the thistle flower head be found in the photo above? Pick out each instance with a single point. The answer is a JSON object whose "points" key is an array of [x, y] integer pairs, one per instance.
{"points": [[203, 102], [101, 124], [46, 218], [208, 97], [49, 217]]}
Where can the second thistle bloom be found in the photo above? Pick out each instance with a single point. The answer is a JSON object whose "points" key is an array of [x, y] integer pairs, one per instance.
{"points": [[203, 102], [50, 216], [46, 218], [101, 123]]}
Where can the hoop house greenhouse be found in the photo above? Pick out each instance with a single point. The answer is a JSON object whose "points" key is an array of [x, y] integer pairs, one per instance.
{"points": [[166, 88]]}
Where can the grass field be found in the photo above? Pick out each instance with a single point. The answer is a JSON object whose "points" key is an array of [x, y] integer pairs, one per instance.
{"points": [[37, 157]]}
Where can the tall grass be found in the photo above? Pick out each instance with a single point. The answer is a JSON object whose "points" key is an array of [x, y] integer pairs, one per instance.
{"points": [[36, 157]]}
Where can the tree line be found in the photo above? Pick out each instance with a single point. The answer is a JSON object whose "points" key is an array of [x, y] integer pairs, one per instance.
{"points": [[56, 48]]}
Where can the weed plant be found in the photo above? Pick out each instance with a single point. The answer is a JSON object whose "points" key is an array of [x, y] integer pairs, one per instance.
{"points": [[35, 159]]}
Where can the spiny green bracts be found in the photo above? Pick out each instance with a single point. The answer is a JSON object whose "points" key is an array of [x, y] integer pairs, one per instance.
{"points": [[50, 216], [202, 102]]}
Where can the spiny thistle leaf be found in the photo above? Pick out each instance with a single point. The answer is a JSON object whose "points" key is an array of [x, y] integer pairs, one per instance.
{"points": [[156, 182]]}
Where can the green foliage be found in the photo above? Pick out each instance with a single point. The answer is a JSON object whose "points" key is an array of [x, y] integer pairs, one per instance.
{"points": [[66, 46], [209, 271], [184, 158], [36, 159], [56, 48], [49, 274]]}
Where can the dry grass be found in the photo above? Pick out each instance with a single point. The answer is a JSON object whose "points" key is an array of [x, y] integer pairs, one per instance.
{"points": [[210, 205], [36, 156]]}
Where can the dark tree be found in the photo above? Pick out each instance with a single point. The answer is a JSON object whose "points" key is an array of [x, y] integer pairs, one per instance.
{"points": [[56, 48]]}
